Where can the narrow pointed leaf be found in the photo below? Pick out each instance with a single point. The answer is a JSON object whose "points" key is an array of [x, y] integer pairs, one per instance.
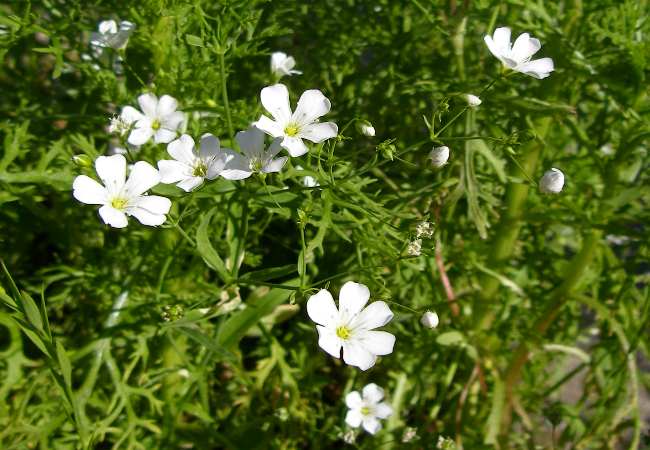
{"points": [[64, 362], [199, 336], [205, 248], [31, 311]]}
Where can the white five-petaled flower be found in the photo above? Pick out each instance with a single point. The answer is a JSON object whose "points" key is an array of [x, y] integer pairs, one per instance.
{"points": [[119, 199], [160, 119], [254, 159], [109, 36], [299, 125], [190, 167], [282, 64], [517, 56], [439, 156], [368, 409], [552, 182], [349, 328]]}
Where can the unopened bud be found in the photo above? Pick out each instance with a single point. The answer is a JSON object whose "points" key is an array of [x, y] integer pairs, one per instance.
{"points": [[439, 156], [119, 126], [529, 135], [552, 182], [364, 127], [303, 216], [430, 319], [172, 313], [82, 160], [387, 151], [384, 294], [468, 100], [509, 150]]}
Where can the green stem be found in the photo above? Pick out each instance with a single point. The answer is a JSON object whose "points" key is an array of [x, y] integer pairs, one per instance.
{"points": [[185, 235], [489, 85], [523, 171], [273, 198], [135, 74], [224, 96], [355, 271], [471, 138], [243, 230], [448, 123], [405, 307], [304, 259]]}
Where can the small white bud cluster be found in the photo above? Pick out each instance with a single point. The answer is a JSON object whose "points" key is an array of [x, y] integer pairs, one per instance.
{"points": [[348, 437], [439, 156], [424, 229], [552, 182], [414, 248], [445, 444], [410, 435], [119, 126], [430, 319]]}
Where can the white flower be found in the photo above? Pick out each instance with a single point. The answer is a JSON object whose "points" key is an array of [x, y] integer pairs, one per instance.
{"points": [[349, 328], [299, 125], [119, 126], [410, 435], [109, 36], [192, 167], [160, 119], [473, 101], [439, 156], [368, 409], [254, 159], [120, 199], [414, 248], [552, 182], [430, 319], [517, 56], [348, 437], [424, 229], [282, 65]]}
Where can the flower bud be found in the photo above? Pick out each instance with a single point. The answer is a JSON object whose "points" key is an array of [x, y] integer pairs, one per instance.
{"points": [[509, 150], [439, 156], [413, 248], [529, 135], [82, 160], [364, 127], [552, 182], [384, 294], [387, 150], [430, 319], [468, 100], [172, 313], [119, 126]]}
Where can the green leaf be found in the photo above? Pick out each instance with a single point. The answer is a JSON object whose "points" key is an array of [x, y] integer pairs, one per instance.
{"points": [[206, 341], [206, 250], [235, 328], [8, 301], [269, 274], [31, 311], [36, 338], [196, 411], [46, 321], [503, 280], [12, 285], [194, 40], [301, 260], [64, 362], [450, 338], [60, 382]]}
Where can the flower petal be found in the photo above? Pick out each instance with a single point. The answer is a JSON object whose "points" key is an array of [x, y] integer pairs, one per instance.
{"points": [[251, 143], [378, 343], [372, 393], [147, 218], [173, 121], [312, 105], [131, 114], [140, 136], [183, 150], [107, 26], [122, 37], [502, 40], [540, 68], [275, 100], [383, 410], [294, 146], [353, 400], [275, 166], [188, 184], [319, 132], [216, 166], [166, 106], [355, 355], [376, 315], [237, 167], [270, 127], [371, 425], [163, 135], [524, 48], [142, 178], [112, 172], [352, 299], [329, 341], [354, 418], [172, 171], [148, 104], [153, 204], [274, 148], [209, 146], [322, 310], [113, 217], [236, 174], [88, 191]]}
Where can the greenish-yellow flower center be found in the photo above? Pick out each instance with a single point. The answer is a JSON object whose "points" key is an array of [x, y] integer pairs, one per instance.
{"points": [[365, 410], [200, 170], [255, 164], [291, 130], [118, 203], [155, 125], [343, 332]]}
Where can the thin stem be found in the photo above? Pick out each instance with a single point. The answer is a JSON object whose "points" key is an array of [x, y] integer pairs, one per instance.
{"points": [[135, 74], [405, 307], [449, 123], [304, 258], [523, 171], [489, 85], [355, 271], [471, 138], [224, 96], [273, 198], [185, 235]]}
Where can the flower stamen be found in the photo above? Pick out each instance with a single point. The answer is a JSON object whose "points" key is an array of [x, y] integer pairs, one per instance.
{"points": [[343, 332], [291, 130]]}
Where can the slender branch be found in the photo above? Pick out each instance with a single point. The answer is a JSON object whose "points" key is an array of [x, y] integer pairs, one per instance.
{"points": [[523, 171], [224, 96]]}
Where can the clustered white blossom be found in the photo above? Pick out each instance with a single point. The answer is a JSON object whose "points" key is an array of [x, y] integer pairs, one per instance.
{"points": [[425, 229], [414, 248], [365, 411], [158, 118]]}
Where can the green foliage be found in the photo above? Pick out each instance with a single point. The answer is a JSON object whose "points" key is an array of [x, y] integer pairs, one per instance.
{"points": [[543, 300]]}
